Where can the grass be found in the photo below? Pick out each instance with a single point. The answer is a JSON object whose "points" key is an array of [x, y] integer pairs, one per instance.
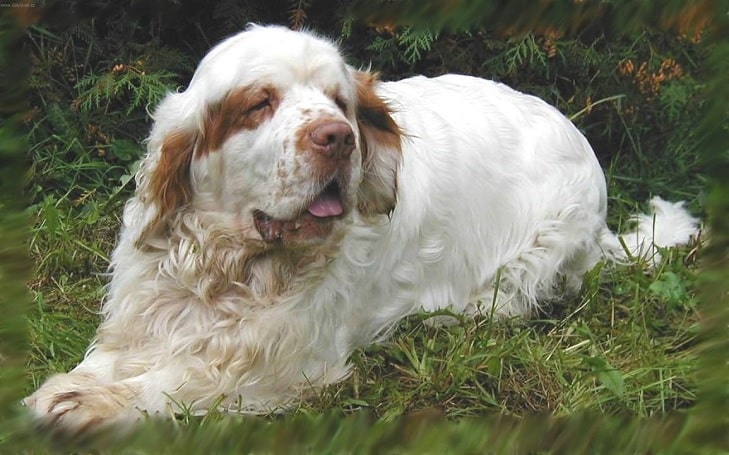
{"points": [[622, 347]]}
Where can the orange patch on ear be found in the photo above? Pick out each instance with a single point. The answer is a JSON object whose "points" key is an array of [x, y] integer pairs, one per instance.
{"points": [[169, 184], [373, 114], [381, 145]]}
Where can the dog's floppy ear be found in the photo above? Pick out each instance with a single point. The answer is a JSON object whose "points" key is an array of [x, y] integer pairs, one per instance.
{"points": [[381, 144], [163, 182]]}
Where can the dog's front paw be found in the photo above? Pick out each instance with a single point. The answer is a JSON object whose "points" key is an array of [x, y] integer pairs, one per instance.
{"points": [[78, 404]]}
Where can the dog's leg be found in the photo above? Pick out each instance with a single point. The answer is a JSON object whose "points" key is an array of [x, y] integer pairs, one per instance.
{"points": [[85, 396], [77, 402], [81, 400]]}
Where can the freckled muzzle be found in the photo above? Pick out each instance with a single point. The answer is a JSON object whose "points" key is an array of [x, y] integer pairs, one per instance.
{"points": [[326, 147]]}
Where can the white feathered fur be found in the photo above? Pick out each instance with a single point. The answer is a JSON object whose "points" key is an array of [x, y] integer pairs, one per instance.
{"points": [[453, 180]]}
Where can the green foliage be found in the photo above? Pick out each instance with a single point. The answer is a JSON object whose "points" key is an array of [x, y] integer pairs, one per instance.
{"points": [[413, 43], [520, 53], [608, 376], [409, 46], [134, 86], [670, 288]]}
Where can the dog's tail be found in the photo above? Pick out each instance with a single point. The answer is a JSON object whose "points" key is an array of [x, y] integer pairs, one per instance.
{"points": [[668, 224]]}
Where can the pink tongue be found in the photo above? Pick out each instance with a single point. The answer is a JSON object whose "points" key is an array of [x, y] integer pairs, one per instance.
{"points": [[325, 206]]}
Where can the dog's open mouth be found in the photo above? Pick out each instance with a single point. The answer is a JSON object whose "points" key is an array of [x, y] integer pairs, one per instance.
{"points": [[328, 203], [315, 220]]}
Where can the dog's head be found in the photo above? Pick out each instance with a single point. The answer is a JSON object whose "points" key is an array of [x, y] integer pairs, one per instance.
{"points": [[278, 134]]}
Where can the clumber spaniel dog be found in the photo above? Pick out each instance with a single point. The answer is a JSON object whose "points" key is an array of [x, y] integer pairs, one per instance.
{"points": [[291, 209]]}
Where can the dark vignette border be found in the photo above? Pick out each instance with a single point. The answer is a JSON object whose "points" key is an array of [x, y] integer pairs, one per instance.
{"points": [[705, 427]]}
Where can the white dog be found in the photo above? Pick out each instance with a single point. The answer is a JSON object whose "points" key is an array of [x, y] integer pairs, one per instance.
{"points": [[291, 209]]}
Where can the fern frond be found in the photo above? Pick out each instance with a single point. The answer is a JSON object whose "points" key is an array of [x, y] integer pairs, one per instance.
{"points": [[347, 27], [379, 44], [524, 52], [415, 43], [297, 13], [129, 87]]}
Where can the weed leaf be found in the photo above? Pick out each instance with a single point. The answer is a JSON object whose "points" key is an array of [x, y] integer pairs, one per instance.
{"points": [[607, 375], [669, 287]]}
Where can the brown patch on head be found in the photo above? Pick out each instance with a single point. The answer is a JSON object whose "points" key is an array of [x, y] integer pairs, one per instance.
{"points": [[169, 186], [244, 108], [381, 144]]}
